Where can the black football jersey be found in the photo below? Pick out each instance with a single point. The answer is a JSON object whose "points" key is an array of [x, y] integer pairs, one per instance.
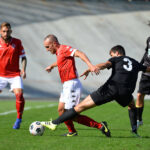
{"points": [[125, 71], [146, 58]]}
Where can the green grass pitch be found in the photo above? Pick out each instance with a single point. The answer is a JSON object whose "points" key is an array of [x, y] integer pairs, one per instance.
{"points": [[87, 139]]}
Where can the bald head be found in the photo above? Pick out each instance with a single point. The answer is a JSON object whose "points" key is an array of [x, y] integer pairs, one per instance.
{"points": [[51, 38], [51, 43]]}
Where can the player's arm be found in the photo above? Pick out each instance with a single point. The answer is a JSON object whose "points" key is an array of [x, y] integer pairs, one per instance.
{"points": [[51, 67], [83, 56], [100, 66], [24, 64], [105, 65]]}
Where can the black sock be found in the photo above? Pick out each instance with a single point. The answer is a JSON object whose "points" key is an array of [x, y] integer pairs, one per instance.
{"points": [[139, 113], [70, 114], [133, 119]]}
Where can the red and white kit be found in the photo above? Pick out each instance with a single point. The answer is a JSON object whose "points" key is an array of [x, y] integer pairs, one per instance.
{"points": [[9, 63], [72, 87]]}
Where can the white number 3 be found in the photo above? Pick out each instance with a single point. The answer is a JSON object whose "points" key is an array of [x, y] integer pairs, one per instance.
{"points": [[128, 66]]}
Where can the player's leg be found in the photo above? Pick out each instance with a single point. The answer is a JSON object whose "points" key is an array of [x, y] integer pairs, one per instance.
{"points": [[17, 87], [144, 88], [3, 83], [87, 103], [68, 123], [87, 121], [133, 117], [71, 113], [140, 107], [20, 102], [61, 106], [70, 96], [73, 100]]}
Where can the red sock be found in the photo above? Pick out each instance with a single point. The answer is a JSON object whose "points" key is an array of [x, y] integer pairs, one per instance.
{"points": [[19, 104], [70, 125], [84, 120]]}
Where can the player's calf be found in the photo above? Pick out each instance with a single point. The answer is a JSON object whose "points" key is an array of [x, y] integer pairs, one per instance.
{"points": [[19, 104]]}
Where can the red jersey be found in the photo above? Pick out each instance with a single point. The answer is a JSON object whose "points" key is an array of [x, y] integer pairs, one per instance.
{"points": [[9, 57], [66, 63]]}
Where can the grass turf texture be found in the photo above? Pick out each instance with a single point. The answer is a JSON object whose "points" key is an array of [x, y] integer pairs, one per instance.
{"points": [[87, 139]]}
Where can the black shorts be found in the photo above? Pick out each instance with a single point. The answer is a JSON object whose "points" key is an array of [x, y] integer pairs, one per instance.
{"points": [[144, 85], [110, 92]]}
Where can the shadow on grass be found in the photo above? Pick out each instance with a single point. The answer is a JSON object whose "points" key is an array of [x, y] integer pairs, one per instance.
{"points": [[102, 136]]}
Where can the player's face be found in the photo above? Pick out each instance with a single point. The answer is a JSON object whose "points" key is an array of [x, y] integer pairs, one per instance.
{"points": [[112, 54], [50, 46], [5, 33]]}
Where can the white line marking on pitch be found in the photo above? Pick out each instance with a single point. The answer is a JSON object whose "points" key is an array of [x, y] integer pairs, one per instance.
{"points": [[27, 108]]}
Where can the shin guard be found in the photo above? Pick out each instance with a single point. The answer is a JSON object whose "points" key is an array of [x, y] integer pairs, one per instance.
{"points": [[19, 104], [133, 119]]}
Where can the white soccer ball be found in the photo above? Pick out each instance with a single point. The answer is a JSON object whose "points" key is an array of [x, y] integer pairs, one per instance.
{"points": [[36, 128]]}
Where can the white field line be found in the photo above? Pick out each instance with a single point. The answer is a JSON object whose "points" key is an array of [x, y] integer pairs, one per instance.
{"points": [[28, 108]]}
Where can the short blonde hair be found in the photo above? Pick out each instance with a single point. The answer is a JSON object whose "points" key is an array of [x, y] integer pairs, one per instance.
{"points": [[5, 24]]}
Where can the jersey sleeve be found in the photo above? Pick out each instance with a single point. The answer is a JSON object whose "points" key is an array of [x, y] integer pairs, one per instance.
{"points": [[70, 51], [142, 68], [112, 60], [21, 49]]}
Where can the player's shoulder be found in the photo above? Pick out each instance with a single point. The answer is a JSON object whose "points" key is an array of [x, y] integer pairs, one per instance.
{"points": [[65, 48], [121, 58], [16, 40], [131, 58]]}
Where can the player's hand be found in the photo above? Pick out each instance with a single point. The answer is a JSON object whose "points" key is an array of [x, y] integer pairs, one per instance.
{"points": [[86, 73], [49, 68], [95, 69], [23, 74]]}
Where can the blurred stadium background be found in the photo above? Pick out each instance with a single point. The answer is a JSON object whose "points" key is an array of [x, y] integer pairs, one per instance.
{"points": [[92, 26]]}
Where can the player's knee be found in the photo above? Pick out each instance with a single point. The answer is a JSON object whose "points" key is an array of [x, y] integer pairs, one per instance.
{"points": [[79, 108], [131, 105], [139, 95], [19, 96], [140, 98], [60, 111]]}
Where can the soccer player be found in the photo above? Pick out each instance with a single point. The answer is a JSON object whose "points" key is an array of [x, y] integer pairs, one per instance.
{"points": [[11, 50], [144, 86], [72, 87], [119, 87]]}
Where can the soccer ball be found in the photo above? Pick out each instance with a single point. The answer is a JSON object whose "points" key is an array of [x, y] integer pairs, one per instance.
{"points": [[36, 128]]}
